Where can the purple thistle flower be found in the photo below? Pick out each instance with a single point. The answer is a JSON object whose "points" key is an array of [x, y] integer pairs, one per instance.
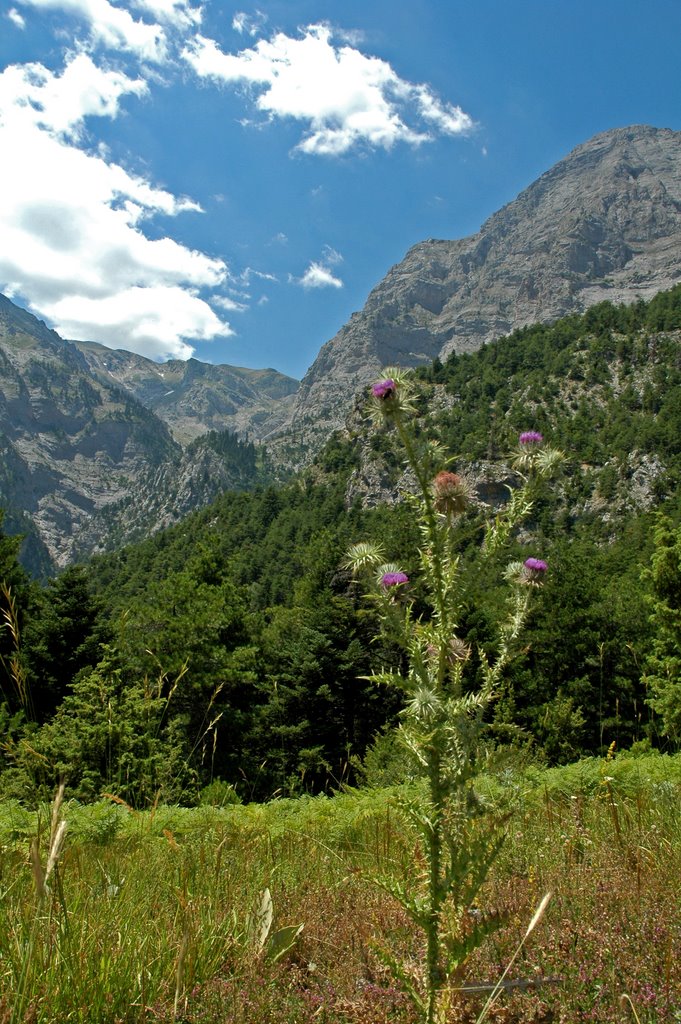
{"points": [[535, 565], [531, 437], [394, 579], [384, 389]]}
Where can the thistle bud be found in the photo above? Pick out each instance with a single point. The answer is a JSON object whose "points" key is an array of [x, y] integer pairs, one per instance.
{"points": [[451, 493]]}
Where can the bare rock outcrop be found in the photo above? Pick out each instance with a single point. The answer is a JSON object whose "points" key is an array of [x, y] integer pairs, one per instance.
{"points": [[604, 223]]}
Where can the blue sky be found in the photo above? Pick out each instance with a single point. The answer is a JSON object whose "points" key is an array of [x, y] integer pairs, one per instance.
{"points": [[230, 181]]}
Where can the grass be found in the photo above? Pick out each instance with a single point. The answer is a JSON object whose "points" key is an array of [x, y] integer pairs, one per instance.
{"points": [[145, 916]]}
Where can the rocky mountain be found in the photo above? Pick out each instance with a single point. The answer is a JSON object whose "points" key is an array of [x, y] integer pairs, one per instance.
{"points": [[192, 397], [604, 223], [101, 446], [87, 456]]}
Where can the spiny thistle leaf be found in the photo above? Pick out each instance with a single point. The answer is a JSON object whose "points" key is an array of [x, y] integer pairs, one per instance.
{"points": [[400, 974], [460, 946], [414, 906], [259, 923], [282, 941]]}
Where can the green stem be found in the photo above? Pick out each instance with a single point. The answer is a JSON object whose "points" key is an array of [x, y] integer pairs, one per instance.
{"points": [[434, 978]]}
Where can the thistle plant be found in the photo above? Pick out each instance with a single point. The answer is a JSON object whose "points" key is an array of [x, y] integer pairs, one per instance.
{"points": [[445, 700]]}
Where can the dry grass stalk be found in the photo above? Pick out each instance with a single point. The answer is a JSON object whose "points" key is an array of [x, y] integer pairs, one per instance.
{"points": [[536, 918]]}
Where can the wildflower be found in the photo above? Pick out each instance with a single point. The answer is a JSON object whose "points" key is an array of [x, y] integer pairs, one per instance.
{"points": [[384, 389], [531, 437], [394, 579], [451, 493], [534, 569], [536, 564]]}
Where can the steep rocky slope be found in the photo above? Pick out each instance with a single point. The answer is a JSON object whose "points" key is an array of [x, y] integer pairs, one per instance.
{"points": [[70, 444], [604, 223], [85, 465], [192, 397]]}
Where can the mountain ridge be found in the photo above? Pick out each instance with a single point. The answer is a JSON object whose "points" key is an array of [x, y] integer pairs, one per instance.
{"points": [[100, 445], [192, 397], [84, 464], [603, 223]]}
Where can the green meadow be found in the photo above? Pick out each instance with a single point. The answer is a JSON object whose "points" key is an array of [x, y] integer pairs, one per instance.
{"points": [[156, 916]]}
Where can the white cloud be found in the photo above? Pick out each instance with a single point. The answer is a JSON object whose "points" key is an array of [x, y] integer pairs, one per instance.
{"points": [[16, 18], [114, 27], [178, 13], [32, 95], [319, 276], [152, 321], [345, 97], [249, 272], [251, 24], [70, 222], [331, 256], [224, 302], [319, 273]]}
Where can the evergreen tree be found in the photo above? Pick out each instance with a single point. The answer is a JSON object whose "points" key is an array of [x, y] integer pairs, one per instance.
{"points": [[663, 663], [63, 637], [112, 733]]}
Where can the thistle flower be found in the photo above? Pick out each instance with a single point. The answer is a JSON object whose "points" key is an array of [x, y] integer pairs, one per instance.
{"points": [[536, 564], [384, 389], [394, 579], [532, 455], [451, 493], [534, 569]]}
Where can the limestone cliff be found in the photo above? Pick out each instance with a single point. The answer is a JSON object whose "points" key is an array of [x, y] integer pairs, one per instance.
{"points": [[604, 223]]}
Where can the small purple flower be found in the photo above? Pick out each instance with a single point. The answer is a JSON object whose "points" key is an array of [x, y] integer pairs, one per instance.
{"points": [[533, 571], [394, 579], [535, 565], [384, 389], [531, 437]]}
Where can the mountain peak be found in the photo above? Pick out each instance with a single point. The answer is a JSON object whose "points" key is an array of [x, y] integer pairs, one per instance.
{"points": [[603, 223]]}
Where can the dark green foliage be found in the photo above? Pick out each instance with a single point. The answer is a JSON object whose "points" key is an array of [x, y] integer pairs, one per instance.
{"points": [[338, 455], [192, 625], [317, 712], [663, 662], [15, 597], [578, 687], [63, 636], [242, 458], [113, 733], [603, 385]]}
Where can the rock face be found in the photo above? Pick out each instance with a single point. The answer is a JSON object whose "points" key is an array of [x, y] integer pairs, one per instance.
{"points": [[192, 397], [87, 456], [604, 223]]}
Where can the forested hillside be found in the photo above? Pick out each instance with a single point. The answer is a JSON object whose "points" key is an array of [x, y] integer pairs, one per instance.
{"points": [[229, 650]]}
